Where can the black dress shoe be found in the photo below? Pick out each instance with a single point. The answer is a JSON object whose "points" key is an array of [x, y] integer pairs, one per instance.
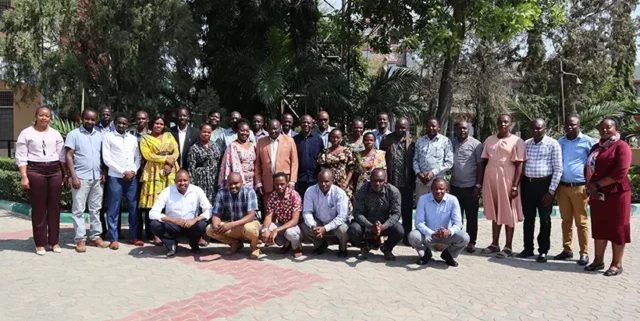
{"points": [[611, 272], [343, 253], [425, 258], [195, 250], [320, 249], [584, 260], [171, 251], [446, 256], [542, 258], [563, 256], [406, 242], [389, 256], [525, 254], [594, 267]]}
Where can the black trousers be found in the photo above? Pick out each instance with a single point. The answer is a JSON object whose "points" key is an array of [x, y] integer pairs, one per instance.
{"points": [[301, 188], [143, 213], [406, 210], [394, 234], [532, 194], [469, 208], [168, 232]]}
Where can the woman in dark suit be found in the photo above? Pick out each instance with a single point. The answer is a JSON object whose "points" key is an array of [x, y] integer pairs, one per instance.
{"points": [[609, 196]]}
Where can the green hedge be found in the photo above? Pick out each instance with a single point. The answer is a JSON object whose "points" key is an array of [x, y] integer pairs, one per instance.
{"points": [[10, 190], [8, 164]]}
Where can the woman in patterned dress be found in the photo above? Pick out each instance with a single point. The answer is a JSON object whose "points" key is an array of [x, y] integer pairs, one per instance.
{"points": [[203, 161], [160, 150], [340, 160], [369, 159], [239, 156], [354, 141]]}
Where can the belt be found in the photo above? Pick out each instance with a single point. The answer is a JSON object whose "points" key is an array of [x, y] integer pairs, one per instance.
{"points": [[537, 179], [572, 184], [43, 163]]}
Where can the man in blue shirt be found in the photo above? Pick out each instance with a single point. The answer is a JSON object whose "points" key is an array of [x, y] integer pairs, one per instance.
{"points": [[438, 221], [239, 203], [572, 198], [309, 144], [83, 148]]}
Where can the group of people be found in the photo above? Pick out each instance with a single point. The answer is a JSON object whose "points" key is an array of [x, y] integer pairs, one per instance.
{"points": [[276, 186]]}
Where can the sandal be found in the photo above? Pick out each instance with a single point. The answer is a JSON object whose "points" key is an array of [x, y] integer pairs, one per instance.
{"points": [[490, 249], [505, 253], [611, 272]]}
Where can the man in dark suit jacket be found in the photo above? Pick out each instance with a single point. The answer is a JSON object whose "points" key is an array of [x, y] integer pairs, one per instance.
{"points": [[185, 135]]}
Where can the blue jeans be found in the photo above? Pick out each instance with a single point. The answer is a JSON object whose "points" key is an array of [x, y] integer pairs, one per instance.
{"points": [[117, 188]]}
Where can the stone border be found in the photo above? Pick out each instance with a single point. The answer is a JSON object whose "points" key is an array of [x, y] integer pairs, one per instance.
{"points": [[65, 217]]}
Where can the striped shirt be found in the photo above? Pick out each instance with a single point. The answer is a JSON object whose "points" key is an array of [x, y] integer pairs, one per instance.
{"points": [[544, 159]]}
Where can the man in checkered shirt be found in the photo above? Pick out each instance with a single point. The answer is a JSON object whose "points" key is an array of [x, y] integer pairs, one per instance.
{"points": [[542, 172]]}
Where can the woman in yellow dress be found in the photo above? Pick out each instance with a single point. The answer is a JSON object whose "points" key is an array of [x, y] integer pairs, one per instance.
{"points": [[368, 159], [160, 150]]}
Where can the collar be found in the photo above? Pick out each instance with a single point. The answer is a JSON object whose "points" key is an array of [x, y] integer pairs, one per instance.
{"points": [[435, 138], [382, 192], [84, 130], [311, 134], [174, 188], [137, 133], [287, 193], [261, 132], [378, 132], [115, 132], [445, 198], [275, 140], [103, 127], [544, 139], [580, 136], [182, 131]]}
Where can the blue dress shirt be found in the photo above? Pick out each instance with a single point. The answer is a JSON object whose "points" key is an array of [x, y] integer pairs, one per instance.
{"points": [[431, 215], [87, 149], [308, 150], [574, 157]]}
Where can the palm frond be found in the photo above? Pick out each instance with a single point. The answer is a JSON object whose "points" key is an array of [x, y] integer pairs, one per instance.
{"points": [[63, 126]]}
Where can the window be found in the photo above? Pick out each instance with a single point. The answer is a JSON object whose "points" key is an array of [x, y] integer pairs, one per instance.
{"points": [[6, 116], [4, 5]]}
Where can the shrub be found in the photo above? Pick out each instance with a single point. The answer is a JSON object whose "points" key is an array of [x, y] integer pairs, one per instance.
{"points": [[8, 164], [10, 190]]}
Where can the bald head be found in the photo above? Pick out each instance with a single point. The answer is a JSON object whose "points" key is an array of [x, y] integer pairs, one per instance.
{"points": [[234, 183], [323, 120], [182, 181], [325, 180]]}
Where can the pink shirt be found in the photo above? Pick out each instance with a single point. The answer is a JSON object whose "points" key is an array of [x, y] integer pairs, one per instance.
{"points": [[36, 146]]}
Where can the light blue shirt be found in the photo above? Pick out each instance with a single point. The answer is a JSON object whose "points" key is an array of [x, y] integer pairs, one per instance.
{"points": [[329, 210], [87, 149], [324, 136], [434, 155], [574, 157], [379, 136], [431, 215]]}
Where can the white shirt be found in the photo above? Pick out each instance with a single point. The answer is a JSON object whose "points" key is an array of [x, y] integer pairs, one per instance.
{"points": [[331, 209], [120, 153], [177, 205], [274, 153], [182, 135]]}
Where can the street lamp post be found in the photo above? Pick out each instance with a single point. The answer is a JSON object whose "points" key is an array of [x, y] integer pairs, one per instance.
{"points": [[578, 82]]}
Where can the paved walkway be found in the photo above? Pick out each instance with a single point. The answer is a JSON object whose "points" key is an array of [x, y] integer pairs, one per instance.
{"points": [[139, 283]]}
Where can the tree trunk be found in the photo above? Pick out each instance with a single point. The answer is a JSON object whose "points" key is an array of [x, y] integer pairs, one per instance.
{"points": [[445, 93]]}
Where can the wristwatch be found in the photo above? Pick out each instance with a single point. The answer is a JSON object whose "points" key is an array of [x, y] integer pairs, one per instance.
{"points": [[478, 185], [514, 188]]}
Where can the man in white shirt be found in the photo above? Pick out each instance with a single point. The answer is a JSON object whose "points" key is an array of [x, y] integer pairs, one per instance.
{"points": [[326, 213], [383, 128], [438, 221], [182, 202], [121, 155]]}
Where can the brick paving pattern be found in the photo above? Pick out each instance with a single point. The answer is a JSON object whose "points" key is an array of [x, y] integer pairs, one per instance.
{"points": [[136, 283]]}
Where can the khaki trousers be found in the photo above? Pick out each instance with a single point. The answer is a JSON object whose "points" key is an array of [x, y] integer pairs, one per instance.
{"points": [[248, 232], [573, 208]]}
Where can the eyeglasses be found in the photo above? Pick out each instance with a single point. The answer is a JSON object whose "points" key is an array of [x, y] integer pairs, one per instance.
{"points": [[44, 146]]}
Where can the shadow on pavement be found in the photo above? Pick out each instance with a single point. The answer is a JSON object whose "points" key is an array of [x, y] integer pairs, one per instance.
{"points": [[569, 266], [26, 245]]}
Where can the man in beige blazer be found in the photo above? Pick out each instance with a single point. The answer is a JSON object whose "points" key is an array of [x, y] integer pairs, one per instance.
{"points": [[274, 154]]}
